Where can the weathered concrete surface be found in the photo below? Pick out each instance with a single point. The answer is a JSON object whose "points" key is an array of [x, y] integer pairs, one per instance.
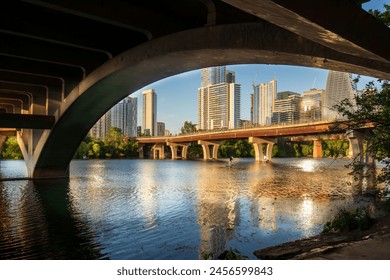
{"points": [[327, 22], [371, 244]]}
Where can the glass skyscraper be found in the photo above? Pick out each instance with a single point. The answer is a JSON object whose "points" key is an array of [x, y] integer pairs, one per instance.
{"points": [[339, 86], [124, 116]]}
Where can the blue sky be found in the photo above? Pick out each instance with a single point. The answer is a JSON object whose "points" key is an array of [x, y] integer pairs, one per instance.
{"points": [[177, 96]]}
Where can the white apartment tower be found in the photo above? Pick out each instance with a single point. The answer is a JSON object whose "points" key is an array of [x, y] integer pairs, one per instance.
{"points": [[149, 112], [263, 102], [219, 99], [339, 86], [124, 116]]}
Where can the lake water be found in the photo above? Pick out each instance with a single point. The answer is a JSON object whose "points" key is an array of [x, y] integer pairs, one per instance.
{"points": [[164, 209]]}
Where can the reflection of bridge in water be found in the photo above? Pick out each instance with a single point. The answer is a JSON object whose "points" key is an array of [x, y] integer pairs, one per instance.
{"points": [[262, 138]]}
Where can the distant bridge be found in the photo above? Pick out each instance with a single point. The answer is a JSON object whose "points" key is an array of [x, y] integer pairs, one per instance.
{"points": [[69, 62], [258, 136]]}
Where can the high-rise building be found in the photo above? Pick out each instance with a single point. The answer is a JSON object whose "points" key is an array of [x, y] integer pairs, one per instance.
{"points": [[263, 102], [287, 108], [149, 112], [124, 116], [339, 86], [219, 99], [160, 129], [311, 106], [101, 127], [213, 76]]}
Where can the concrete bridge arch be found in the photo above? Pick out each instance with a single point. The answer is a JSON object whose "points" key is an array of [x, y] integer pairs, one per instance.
{"points": [[242, 43]]}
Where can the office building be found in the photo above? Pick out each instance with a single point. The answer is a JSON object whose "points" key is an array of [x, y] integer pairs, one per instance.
{"points": [[160, 129], [311, 106], [339, 86], [149, 112], [287, 108], [263, 102], [124, 116], [219, 99]]}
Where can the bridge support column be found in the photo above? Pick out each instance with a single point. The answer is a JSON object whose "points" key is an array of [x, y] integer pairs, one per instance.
{"points": [[140, 151], [174, 149], [258, 146], [206, 149], [317, 149], [356, 145], [184, 152], [2, 140], [158, 151]]}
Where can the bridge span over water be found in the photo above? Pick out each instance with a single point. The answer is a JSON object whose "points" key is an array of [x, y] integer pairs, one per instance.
{"points": [[63, 64], [262, 138]]}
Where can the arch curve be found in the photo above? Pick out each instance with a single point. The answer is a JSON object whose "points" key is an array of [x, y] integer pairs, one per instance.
{"points": [[244, 43]]}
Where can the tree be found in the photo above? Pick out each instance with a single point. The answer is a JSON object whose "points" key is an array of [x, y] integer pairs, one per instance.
{"points": [[188, 127], [10, 149], [382, 16], [371, 107]]}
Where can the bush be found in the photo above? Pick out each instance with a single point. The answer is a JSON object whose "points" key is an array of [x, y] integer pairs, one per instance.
{"points": [[232, 254], [347, 221]]}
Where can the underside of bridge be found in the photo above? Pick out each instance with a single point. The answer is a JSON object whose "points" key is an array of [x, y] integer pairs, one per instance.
{"points": [[64, 63]]}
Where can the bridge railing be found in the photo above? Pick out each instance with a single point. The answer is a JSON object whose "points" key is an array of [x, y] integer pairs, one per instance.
{"points": [[251, 127]]}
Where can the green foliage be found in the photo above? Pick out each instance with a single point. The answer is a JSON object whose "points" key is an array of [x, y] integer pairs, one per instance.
{"points": [[286, 149], [335, 148], [382, 16], [10, 149], [307, 150], [371, 107], [188, 127], [236, 148], [347, 221], [232, 254], [115, 145], [194, 150]]}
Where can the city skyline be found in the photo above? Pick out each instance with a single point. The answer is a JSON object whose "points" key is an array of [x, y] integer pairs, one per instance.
{"points": [[178, 95]]}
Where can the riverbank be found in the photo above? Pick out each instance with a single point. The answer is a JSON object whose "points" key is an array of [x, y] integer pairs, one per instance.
{"points": [[371, 244]]}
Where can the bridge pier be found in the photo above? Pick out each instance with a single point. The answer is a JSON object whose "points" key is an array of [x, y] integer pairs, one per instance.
{"points": [[158, 151], [258, 146], [2, 140], [141, 151], [184, 152], [206, 149], [174, 149], [356, 149], [317, 149]]}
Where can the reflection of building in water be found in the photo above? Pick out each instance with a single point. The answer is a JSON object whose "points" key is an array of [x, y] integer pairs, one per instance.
{"points": [[147, 194], [217, 209]]}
